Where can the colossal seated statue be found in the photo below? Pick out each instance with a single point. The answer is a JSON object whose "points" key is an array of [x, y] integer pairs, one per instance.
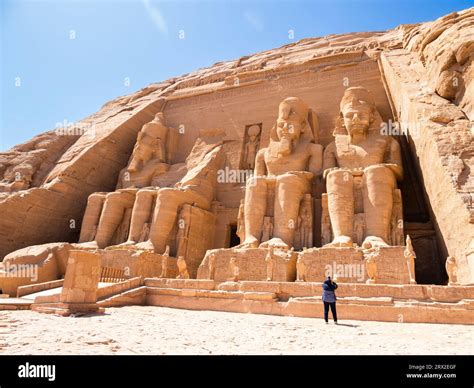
{"points": [[283, 175], [144, 209], [105, 211], [361, 168], [197, 187]]}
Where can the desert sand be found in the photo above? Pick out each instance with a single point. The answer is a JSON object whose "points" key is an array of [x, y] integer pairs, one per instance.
{"points": [[156, 330]]}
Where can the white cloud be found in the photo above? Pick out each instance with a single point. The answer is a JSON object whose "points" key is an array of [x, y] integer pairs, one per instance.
{"points": [[156, 16], [254, 20]]}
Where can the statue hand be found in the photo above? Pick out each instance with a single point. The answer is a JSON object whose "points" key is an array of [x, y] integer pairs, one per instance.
{"points": [[328, 170]]}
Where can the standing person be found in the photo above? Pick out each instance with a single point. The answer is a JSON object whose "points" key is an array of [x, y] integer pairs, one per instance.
{"points": [[329, 299]]}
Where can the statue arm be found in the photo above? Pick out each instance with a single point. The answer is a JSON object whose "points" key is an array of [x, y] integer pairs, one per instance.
{"points": [[120, 183], [329, 159], [260, 167], [316, 159], [394, 161]]}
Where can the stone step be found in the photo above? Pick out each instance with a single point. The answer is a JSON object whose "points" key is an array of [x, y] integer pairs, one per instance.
{"points": [[284, 290], [386, 309], [134, 296], [198, 293], [15, 304], [180, 283]]}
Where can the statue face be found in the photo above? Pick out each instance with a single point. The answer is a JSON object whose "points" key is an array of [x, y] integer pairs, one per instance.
{"points": [[356, 119], [289, 129]]}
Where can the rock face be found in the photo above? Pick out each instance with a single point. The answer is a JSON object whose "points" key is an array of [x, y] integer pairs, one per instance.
{"points": [[355, 141], [430, 81]]}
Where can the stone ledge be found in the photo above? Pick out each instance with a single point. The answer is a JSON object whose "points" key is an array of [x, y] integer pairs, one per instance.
{"points": [[184, 292], [450, 294], [180, 283]]}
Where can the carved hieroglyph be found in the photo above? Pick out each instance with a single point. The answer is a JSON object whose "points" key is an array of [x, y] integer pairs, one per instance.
{"points": [[361, 168], [212, 266], [234, 269], [251, 147], [270, 264], [164, 262], [452, 270], [371, 267], [182, 268], [284, 172], [410, 257], [301, 269]]}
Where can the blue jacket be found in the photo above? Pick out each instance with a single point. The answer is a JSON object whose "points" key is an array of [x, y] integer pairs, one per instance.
{"points": [[328, 291]]}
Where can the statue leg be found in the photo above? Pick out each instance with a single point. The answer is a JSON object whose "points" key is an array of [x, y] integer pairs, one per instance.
{"points": [[379, 183], [165, 215], [112, 215], [255, 208], [340, 189], [290, 190], [141, 212], [95, 203]]}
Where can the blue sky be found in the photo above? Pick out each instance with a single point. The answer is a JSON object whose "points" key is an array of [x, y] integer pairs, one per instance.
{"points": [[62, 60]]}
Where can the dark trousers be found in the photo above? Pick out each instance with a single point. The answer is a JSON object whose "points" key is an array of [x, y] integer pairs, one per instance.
{"points": [[333, 310]]}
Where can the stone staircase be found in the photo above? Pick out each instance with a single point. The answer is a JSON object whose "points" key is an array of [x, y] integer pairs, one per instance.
{"points": [[45, 297]]}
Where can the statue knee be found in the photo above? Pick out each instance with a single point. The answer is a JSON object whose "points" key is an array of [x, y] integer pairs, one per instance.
{"points": [[288, 178], [143, 195], [256, 181], [339, 178], [167, 195], [113, 197], [376, 169], [380, 175], [96, 197]]}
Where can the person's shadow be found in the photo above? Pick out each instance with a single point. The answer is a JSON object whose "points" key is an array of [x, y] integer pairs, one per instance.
{"points": [[347, 324]]}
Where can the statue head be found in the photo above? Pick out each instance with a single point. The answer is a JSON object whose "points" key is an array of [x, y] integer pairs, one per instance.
{"points": [[358, 111], [291, 124], [150, 140], [141, 154], [292, 116]]}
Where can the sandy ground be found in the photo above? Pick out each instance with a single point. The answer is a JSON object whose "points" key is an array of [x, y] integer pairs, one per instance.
{"points": [[156, 330]]}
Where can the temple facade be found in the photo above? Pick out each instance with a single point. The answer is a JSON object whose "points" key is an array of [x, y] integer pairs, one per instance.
{"points": [[348, 156]]}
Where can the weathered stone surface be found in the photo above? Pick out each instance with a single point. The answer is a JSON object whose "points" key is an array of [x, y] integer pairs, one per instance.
{"points": [[440, 129], [250, 264], [34, 264]]}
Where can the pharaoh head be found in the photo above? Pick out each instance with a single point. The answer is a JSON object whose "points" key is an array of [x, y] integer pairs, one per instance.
{"points": [[358, 112], [150, 142], [291, 123]]}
